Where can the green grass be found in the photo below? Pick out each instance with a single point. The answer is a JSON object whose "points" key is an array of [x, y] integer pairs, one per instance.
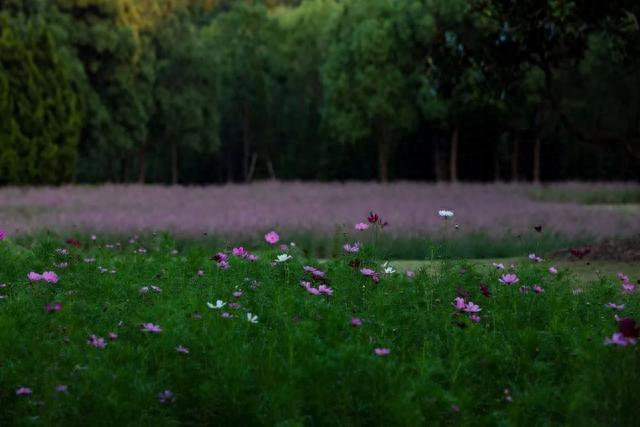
{"points": [[303, 363]]}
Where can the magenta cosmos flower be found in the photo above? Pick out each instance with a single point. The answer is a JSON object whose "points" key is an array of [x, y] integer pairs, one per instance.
{"points": [[34, 277], [272, 237], [538, 289], [50, 277], [474, 318], [51, 308], [356, 322], [95, 341], [508, 279], [2, 235], [459, 303], [553, 270], [351, 248], [470, 307], [325, 290], [150, 327], [239, 252], [381, 351], [22, 391]]}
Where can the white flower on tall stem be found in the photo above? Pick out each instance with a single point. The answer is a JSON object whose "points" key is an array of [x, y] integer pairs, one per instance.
{"points": [[283, 258], [388, 268], [218, 305], [252, 318], [446, 214]]}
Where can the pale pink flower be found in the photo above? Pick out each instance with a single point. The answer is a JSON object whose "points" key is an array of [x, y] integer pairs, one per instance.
{"points": [[93, 237], [499, 266], [223, 265], [410, 273], [239, 251], [166, 397], [50, 277], [283, 247], [361, 226], [356, 322], [619, 339], [23, 391], [237, 294], [628, 288], [615, 306], [112, 336], [470, 307], [474, 318], [34, 277], [313, 291], [623, 277], [351, 248], [553, 270], [459, 303], [182, 349], [200, 273], [381, 351], [367, 272], [508, 279], [272, 237], [49, 308], [252, 257], [150, 327], [325, 290], [538, 289], [96, 341]]}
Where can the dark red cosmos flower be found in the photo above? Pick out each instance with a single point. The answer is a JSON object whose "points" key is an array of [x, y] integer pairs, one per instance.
{"points": [[485, 290], [580, 252], [355, 263], [73, 242], [628, 328], [373, 218]]}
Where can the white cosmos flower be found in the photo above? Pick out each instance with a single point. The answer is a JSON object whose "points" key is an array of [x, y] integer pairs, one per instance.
{"points": [[388, 269], [252, 318], [283, 258], [445, 213], [219, 304]]}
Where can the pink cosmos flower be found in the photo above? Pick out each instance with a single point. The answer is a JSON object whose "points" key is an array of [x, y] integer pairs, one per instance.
{"points": [[628, 288], [93, 237], [361, 226], [223, 265], [234, 305], [381, 351], [470, 307], [553, 270], [283, 247], [50, 277], [23, 391], [410, 273], [2, 235], [351, 248], [325, 290], [615, 306], [95, 341], [220, 256], [367, 272], [150, 327], [623, 277], [538, 289], [498, 266], [182, 349], [237, 294], [239, 251], [313, 291], [200, 273], [508, 279], [535, 258], [619, 339], [356, 322], [272, 237], [34, 277], [252, 257], [112, 336], [474, 318], [459, 303]]}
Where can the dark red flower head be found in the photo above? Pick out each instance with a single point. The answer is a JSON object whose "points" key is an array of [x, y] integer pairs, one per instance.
{"points": [[73, 242], [628, 328], [485, 290], [580, 252], [373, 217]]}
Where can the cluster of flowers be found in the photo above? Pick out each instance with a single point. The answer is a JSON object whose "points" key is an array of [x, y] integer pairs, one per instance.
{"points": [[47, 276], [317, 276], [625, 283], [468, 307], [627, 334]]}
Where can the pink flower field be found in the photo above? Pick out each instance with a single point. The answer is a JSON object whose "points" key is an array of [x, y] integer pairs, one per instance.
{"points": [[410, 208]]}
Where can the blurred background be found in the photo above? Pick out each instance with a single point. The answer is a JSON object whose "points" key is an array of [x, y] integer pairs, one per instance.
{"points": [[215, 91], [508, 98]]}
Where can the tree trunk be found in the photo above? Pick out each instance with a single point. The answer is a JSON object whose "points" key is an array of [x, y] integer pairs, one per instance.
{"points": [[141, 163], [174, 162], [383, 159], [252, 167], [272, 172], [437, 160], [245, 145], [514, 160], [536, 159], [453, 159]]}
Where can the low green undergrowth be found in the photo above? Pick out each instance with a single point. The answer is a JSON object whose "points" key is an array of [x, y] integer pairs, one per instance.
{"points": [[531, 359]]}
